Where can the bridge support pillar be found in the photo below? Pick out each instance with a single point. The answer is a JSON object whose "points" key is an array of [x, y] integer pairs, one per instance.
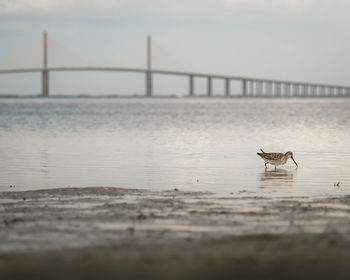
{"points": [[258, 88], [278, 89], [149, 84], [209, 87], [339, 91], [251, 87], [314, 90], [244, 87], [268, 88], [227, 87], [191, 85], [45, 73], [296, 90], [45, 83], [286, 89]]}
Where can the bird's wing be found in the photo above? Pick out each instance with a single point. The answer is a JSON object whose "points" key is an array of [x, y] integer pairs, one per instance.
{"points": [[271, 156]]}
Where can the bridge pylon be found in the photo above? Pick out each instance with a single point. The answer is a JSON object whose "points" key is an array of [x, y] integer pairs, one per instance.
{"points": [[149, 84], [45, 72]]}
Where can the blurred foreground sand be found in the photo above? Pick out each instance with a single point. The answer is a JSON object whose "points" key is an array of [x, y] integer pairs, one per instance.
{"points": [[113, 233]]}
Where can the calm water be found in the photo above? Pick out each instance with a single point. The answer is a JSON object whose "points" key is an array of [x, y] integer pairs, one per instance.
{"points": [[171, 143]]}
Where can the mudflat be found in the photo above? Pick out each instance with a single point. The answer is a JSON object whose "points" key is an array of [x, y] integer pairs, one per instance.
{"points": [[114, 233]]}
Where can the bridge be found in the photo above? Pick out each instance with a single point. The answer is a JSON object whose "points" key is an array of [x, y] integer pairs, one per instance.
{"points": [[249, 86]]}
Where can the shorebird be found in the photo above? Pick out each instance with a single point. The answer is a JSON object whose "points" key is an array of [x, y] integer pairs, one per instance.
{"points": [[276, 158]]}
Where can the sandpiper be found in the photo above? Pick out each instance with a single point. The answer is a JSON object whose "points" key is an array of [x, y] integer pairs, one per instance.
{"points": [[276, 158]]}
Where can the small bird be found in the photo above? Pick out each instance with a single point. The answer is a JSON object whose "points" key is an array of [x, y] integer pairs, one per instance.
{"points": [[276, 158]]}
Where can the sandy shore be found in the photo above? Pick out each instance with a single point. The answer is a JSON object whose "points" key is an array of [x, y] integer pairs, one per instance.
{"points": [[113, 233]]}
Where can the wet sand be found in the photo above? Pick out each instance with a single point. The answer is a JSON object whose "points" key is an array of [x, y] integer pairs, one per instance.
{"points": [[114, 233]]}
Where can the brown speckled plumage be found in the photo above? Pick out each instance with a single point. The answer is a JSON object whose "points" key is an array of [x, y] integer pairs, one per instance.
{"points": [[276, 158]]}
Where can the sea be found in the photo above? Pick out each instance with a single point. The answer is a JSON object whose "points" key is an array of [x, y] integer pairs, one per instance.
{"points": [[188, 144]]}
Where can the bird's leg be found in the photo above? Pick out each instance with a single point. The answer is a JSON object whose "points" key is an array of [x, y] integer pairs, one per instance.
{"points": [[275, 167], [266, 165]]}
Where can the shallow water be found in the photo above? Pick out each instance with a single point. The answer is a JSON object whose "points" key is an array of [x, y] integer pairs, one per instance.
{"points": [[189, 144]]}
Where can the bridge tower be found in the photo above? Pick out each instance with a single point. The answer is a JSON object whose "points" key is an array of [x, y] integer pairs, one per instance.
{"points": [[149, 86], [45, 72]]}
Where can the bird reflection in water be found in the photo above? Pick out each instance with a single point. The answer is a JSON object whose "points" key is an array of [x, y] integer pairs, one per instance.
{"points": [[277, 178]]}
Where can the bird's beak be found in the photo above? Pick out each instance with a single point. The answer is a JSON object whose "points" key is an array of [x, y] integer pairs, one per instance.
{"points": [[294, 161]]}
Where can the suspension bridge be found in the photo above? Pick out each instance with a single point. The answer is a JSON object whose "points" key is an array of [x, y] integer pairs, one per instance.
{"points": [[248, 86]]}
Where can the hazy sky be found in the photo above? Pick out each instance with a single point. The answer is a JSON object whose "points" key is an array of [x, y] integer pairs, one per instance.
{"points": [[306, 40]]}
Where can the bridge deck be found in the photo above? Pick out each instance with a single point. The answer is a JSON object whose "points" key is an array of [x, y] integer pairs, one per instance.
{"points": [[170, 72]]}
